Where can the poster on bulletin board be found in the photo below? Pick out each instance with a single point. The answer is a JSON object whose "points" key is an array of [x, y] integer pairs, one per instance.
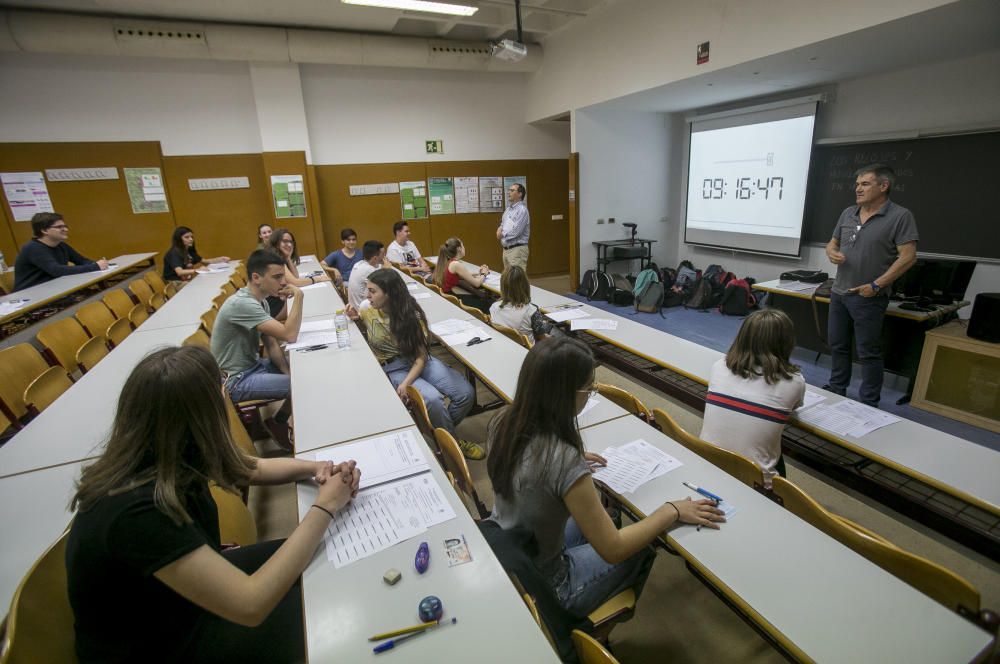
{"points": [[289, 194], [413, 199], [442, 195], [466, 195], [145, 190], [491, 198]]}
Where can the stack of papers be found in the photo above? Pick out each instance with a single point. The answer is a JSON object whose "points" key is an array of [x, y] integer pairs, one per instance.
{"points": [[593, 324], [399, 498], [314, 333], [422, 296], [632, 465], [797, 286], [454, 332], [412, 285], [811, 399], [846, 418], [561, 315], [11, 306]]}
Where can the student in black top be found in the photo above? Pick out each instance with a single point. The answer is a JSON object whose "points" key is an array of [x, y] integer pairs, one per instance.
{"points": [[47, 256], [181, 260], [146, 579]]}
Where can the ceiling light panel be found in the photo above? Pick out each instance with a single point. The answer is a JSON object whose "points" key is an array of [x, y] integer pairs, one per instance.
{"points": [[417, 6]]}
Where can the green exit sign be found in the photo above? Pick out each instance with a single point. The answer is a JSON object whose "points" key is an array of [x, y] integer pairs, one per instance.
{"points": [[434, 147]]}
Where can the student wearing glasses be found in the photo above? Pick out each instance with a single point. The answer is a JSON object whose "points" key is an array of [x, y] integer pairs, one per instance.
{"points": [[181, 260], [515, 228], [47, 255], [541, 480], [282, 242]]}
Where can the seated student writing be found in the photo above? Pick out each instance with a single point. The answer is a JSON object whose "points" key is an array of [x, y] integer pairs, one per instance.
{"points": [[514, 308], [264, 236], [402, 250], [753, 390], [541, 481], [146, 578], [283, 243], [450, 272], [243, 323], [47, 255], [181, 260], [397, 334], [345, 258]]}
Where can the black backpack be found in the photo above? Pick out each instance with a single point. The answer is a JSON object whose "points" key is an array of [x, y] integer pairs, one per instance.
{"points": [[668, 276], [584, 288], [595, 285], [701, 295], [737, 299], [621, 290]]}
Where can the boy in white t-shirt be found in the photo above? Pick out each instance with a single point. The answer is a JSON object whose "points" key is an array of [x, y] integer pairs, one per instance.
{"points": [[753, 390], [403, 252]]}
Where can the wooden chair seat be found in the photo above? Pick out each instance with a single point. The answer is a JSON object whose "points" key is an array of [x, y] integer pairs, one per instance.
{"points": [[219, 299], [451, 298], [236, 523], [119, 331], [19, 366], [589, 650], [626, 400], [171, 289], [512, 334], [199, 338], [454, 462], [141, 290], [228, 289], [157, 300], [95, 318], [91, 353], [45, 389], [119, 302], [208, 320], [155, 281], [62, 339], [138, 315], [475, 313]]}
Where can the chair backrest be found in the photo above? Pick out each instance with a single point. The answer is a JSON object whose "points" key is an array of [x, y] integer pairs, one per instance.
{"points": [[434, 287], [420, 414], [155, 281], [62, 339], [625, 399], [219, 299], [45, 389], [199, 338], [935, 581], [512, 334], [228, 289], [475, 313], [91, 353], [19, 365], [239, 431], [119, 302], [157, 300], [529, 602], [40, 622], [138, 315], [7, 281], [735, 464], [451, 298], [454, 462], [119, 331], [236, 524], [590, 650], [96, 318], [171, 289], [208, 319], [141, 290]]}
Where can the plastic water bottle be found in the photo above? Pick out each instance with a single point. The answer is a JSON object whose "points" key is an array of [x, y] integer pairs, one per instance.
{"points": [[342, 326]]}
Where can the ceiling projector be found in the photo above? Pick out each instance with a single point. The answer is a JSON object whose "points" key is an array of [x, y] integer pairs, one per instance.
{"points": [[508, 49]]}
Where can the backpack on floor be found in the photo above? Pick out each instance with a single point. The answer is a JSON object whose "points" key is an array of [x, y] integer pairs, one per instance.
{"points": [[738, 298], [668, 276], [598, 286], [646, 277], [700, 296], [621, 290], [588, 278], [686, 274], [650, 299]]}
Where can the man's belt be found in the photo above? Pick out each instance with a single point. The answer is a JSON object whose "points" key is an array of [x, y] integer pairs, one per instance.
{"points": [[514, 246]]}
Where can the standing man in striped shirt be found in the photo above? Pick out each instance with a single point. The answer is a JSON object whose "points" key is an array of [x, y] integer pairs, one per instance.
{"points": [[515, 228]]}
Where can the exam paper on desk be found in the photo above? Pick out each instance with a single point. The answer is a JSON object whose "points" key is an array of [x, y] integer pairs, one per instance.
{"points": [[632, 465], [846, 418], [451, 326], [317, 338], [593, 324], [382, 458], [567, 314], [459, 338]]}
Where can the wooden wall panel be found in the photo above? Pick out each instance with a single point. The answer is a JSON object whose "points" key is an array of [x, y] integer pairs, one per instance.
{"points": [[224, 221], [373, 216], [98, 212], [304, 229]]}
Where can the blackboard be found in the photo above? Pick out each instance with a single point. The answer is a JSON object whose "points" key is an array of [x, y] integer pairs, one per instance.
{"points": [[950, 183]]}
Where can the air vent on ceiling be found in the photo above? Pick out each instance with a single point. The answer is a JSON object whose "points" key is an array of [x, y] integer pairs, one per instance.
{"points": [[483, 50], [124, 33]]}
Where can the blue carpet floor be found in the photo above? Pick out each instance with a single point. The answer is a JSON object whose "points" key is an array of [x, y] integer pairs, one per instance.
{"points": [[713, 330]]}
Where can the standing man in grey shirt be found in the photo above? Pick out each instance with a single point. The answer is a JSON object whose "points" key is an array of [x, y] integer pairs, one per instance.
{"points": [[515, 228], [873, 244]]}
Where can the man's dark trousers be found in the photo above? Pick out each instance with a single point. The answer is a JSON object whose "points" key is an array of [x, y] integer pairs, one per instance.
{"points": [[863, 316]]}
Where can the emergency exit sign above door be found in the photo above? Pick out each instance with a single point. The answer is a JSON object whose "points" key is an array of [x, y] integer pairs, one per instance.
{"points": [[435, 147]]}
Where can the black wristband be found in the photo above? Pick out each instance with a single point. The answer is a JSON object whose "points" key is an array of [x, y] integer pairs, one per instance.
{"points": [[671, 504], [320, 507]]}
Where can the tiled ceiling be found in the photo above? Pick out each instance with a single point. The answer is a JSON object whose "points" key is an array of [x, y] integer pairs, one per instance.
{"points": [[494, 20]]}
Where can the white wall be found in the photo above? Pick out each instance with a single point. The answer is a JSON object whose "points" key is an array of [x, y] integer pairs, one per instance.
{"points": [[624, 163], [629, 46], [191, 106], [375, 115], [954, 94]]}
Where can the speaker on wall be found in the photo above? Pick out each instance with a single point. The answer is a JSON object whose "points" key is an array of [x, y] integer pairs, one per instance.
{"points": [[984, 324]]}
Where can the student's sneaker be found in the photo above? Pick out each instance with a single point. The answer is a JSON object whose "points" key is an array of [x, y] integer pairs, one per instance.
{"points": [[471, 450], [281, 433]]}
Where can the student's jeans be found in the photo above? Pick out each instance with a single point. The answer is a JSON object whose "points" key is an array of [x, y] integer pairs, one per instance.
{"points": [[434, 383], [263, 380], [863, 317], [592, 581]]}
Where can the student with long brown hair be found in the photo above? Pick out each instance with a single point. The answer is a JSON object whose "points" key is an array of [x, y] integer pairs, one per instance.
{"points": [[450, 272], [514, 308], [282, 242], [541, 481], [146, 578], [397, 334], [181, 261], [753, 390]]}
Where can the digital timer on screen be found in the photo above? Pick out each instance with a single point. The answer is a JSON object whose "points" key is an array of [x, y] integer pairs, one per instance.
{"points": [[747, 181]]}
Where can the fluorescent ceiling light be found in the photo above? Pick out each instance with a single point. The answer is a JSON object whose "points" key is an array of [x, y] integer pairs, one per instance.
{"points": [[417, 6]]}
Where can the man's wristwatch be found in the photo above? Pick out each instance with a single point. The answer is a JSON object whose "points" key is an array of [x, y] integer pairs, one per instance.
{"points": [[875, 286]]}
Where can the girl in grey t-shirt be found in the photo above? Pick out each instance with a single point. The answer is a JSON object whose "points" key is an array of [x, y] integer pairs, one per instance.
{"points": [[541, 479]]}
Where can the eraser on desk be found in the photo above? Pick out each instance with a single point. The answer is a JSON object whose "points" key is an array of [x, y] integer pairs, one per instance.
{"points": [[391, 576], [423, 558]]}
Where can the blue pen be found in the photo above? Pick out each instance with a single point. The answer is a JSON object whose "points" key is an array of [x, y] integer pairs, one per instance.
{"points": [[391, 643], [704, 492]]}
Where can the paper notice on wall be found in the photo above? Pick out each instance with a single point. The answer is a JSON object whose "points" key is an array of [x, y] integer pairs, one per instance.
{"points": [[466, 195], [288, 193], [442, 195], [413, 199], [146, 192], [26, 194], [491, 198]]}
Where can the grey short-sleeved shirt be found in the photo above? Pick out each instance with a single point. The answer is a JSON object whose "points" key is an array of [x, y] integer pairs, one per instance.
{"points": [[870, 249], [235, 339], [546, 472]]}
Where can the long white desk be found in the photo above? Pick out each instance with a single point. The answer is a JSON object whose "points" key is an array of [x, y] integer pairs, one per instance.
{"points": [[343, 607], [816, 597], [194, 299], [60, 287]]}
